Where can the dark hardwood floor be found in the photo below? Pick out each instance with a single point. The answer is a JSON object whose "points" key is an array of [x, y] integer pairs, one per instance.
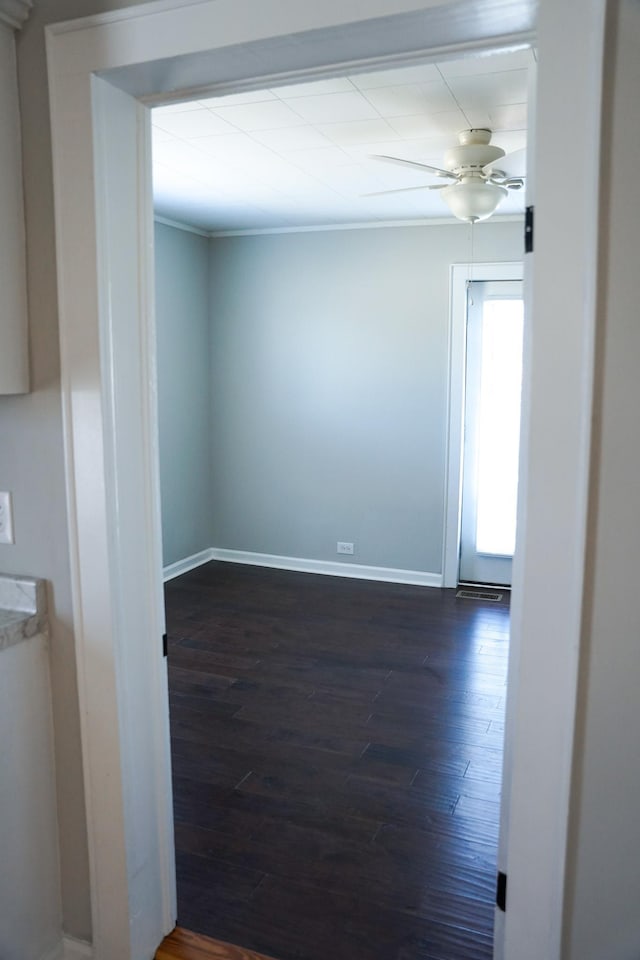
{"points": [[337, 749]]}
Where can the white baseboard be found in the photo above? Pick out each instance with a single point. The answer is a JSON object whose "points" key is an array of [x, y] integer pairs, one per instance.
{"points": [[331, 568], [76, 949], [189, 563]]}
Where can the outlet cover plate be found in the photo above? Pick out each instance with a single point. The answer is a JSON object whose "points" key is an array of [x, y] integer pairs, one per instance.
{"points": [[344, 547], [6, 519]]}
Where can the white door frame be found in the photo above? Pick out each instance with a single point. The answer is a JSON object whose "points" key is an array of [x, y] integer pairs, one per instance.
{"points": [[460, 275], [160, 48]]}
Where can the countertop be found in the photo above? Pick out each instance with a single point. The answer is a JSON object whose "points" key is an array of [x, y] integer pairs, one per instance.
{"points": [[23, 612]]}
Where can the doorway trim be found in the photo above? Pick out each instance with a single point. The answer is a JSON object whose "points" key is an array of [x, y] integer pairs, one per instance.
{"points": [[460, 275], [153, 45]]}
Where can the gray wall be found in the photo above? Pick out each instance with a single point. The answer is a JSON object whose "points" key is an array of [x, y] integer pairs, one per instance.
{"points": [[329, 370], [184, 391], [30, 872], [605, 917]]}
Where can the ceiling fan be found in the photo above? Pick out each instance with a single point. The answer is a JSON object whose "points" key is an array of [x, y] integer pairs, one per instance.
{"points": [[479, 175]]}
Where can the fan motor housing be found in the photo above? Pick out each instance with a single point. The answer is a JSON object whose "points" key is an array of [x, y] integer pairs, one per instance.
{"points": [[474, 151]]}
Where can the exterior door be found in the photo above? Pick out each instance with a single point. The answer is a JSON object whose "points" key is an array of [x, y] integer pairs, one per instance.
{"points": [[493, 385]]}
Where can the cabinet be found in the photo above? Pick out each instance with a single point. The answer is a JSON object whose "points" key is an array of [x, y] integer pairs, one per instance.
{"points": [[14, 353]]}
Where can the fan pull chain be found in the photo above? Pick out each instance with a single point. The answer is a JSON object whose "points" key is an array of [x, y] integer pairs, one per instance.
{"points": [[471, 264]]}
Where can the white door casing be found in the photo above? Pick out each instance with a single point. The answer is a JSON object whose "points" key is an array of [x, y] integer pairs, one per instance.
{"points": [[154, 50], [111, 439], [555, 445]]}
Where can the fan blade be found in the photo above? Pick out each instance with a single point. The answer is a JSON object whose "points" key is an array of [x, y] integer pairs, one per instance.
{"points": [[383, 193], [511, 183], [511, 166], [437, 171]]}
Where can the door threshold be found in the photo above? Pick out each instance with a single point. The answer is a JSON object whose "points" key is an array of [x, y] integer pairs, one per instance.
{"points": [[472, 585]]}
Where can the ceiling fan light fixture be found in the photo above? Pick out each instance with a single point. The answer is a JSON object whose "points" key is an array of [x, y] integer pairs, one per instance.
{"points": [[473, 199]]}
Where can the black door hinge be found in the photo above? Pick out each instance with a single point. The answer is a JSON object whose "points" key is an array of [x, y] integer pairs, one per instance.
{"points": [[501, 891], [164, 645], [528, 230]]}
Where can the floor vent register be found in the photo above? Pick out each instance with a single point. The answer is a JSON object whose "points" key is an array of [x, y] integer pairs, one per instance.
{"points": [[479, 595]]}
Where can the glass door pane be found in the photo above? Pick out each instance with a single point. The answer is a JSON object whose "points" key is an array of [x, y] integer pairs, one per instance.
{"points": [[492, 431], [499, 426]]}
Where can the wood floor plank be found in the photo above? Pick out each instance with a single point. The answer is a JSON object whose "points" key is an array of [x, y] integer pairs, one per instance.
{"points": [[337, 756], [183, 944]]}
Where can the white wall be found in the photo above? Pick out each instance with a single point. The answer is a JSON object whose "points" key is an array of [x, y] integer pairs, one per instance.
{"points": [[184, 391], [30, 428], [30, 912], [329, 376], [604, 914]]}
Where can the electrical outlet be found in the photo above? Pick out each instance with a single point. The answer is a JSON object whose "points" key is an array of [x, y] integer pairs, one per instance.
{"points": [[6, 519], [344, 547]]}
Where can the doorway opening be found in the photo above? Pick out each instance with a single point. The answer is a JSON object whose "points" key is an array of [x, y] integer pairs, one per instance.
{"points": [[228, 680], [464, 409]]}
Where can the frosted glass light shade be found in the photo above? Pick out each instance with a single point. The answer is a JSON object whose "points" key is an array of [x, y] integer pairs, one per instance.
{"points": [[473, 199]]}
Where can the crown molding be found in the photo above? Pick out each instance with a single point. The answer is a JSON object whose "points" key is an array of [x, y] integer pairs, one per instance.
{"points": [[180, 225], [13, 13], [364, 225]]}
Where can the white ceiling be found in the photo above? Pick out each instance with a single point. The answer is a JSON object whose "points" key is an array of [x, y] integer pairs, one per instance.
{"points": [[299, 155]]}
